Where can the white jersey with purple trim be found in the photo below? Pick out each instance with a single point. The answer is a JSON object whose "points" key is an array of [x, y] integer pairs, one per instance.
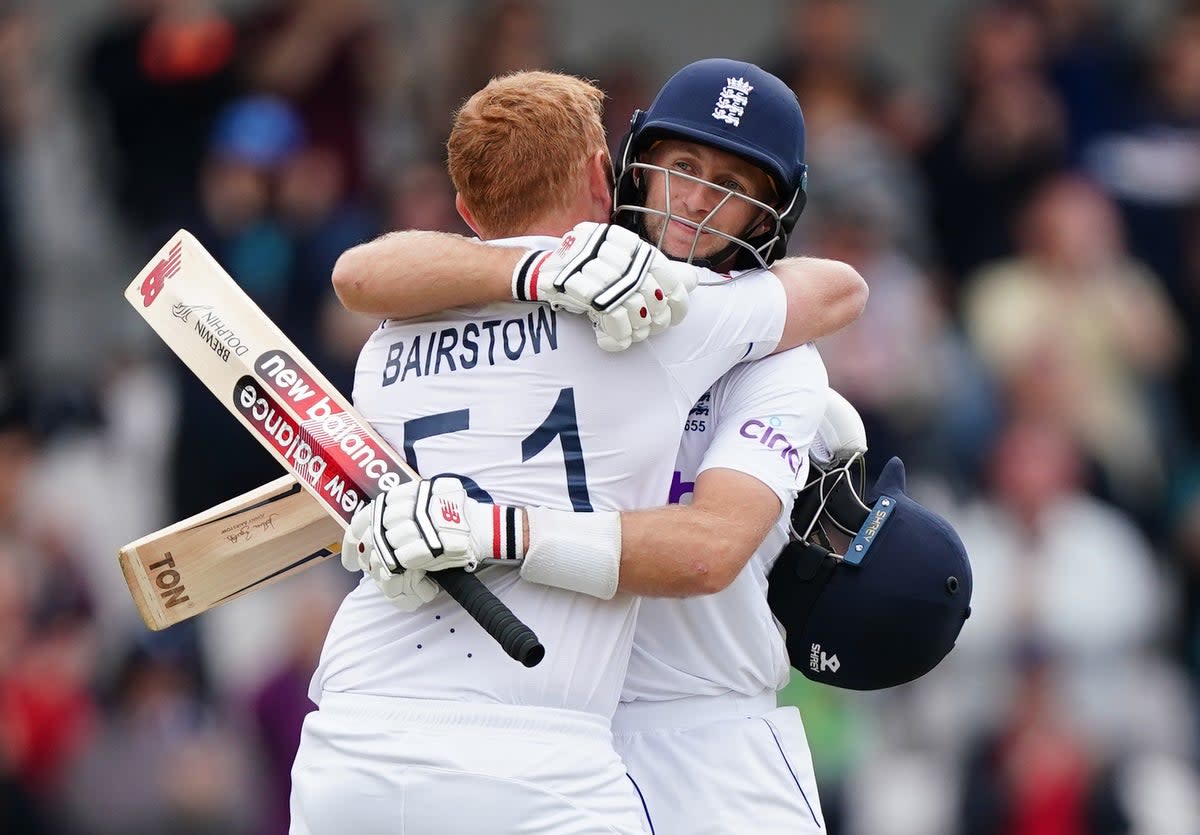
{"points": [[758, 419], [519, 400]]}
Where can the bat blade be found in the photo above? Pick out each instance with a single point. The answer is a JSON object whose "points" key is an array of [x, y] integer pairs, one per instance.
{"points": [[238, 546], [288, 405]]}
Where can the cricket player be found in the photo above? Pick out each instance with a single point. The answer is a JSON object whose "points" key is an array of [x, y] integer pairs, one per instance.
{"points": [[424, 725], [698, 724]]}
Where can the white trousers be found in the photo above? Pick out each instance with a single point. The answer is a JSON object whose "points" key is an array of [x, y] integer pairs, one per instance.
{"points": [[720, 765], [371, 764]]}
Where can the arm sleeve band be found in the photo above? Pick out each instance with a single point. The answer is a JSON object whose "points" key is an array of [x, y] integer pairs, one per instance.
{"points": [[579, 552]]}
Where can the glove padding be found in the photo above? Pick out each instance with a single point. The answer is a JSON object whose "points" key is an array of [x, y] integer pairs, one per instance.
{"points": [[841, 434], [407, 590], [431, 525], [628, 289]]}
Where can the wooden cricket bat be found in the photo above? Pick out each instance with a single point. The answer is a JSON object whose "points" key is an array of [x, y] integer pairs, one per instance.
{"points": [[288, 405], [238, 546]]}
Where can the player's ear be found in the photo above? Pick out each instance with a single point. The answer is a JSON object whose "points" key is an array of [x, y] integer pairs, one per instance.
{"points": [[600, 187], [465, 213]]}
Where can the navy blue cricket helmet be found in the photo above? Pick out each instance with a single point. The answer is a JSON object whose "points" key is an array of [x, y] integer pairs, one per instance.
{"points": [[889, 609], [737, 107]]}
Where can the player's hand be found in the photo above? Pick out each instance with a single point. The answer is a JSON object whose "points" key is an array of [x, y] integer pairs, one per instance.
{"points": [[628, 289], [407, 590], [432, 525]]}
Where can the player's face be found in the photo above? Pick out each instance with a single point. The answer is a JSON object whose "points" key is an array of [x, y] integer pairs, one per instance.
{"points": [[696, 202]]}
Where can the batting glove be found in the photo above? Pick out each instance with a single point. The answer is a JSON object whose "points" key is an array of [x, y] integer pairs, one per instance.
{"points": [[627, 288], [841, 434], [407, 590], [432, 525]]}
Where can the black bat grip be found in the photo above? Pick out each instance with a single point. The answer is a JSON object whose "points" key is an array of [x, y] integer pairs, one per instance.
{"points": [[514, 637]]}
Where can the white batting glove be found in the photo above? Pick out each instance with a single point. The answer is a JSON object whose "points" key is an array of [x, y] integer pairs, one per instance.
{"points": [[356, 542], [432, 525], [841, 434], [628, 289], [407, 590]]}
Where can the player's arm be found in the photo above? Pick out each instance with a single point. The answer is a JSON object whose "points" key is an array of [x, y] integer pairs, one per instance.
{"points": [[767, 413], [678, 551], [743, 486], [686, 550], [626, 287], [402, 275], [823, 296]]}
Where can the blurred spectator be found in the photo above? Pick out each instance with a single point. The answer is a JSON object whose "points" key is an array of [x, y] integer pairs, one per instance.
{"points": [[422, 197], [19, 808], [1185, 383], [1075, 328], [1089, 67], [48, 698], [901, 364], [322, 221], [328, 60], [624, 82], [824, 42], [237, 220], [156, 75], [1057, 568], [1006, 133], [15, 60], [1184, 540], [496, 37], [1034, 773], [850, 152], [1153, 166], [192, 774]]}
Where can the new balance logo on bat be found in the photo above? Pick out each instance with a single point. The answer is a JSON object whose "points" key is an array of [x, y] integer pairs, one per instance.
{"points": [[156, 279]]}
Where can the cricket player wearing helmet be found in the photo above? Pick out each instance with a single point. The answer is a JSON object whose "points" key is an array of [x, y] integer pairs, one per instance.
{"points": [[713, 172], [416, 707]]}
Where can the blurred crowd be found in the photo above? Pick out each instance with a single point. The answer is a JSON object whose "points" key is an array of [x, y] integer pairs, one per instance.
{"points": [[1029, 226]]}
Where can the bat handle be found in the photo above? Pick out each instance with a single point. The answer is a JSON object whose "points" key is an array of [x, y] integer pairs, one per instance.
{"points": [[493, 615]]}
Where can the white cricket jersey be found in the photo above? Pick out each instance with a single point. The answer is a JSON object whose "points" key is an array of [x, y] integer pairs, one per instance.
{"points": [[759, 419], [519, 399]]}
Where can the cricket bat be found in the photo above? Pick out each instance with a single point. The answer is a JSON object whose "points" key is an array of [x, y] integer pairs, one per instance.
{"points": [[238, 546], [288, 405]]}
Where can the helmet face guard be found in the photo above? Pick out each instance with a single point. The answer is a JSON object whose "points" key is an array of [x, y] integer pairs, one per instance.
{"points": [[757, 247], [732, 106], [832, 498]]}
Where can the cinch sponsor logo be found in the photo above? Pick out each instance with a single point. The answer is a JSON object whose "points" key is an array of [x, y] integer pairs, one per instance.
{"points": [[757, 430], [680, 488]]}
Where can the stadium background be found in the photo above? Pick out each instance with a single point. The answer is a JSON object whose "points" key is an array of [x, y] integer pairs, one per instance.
{"points": [[1018, 181]]}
